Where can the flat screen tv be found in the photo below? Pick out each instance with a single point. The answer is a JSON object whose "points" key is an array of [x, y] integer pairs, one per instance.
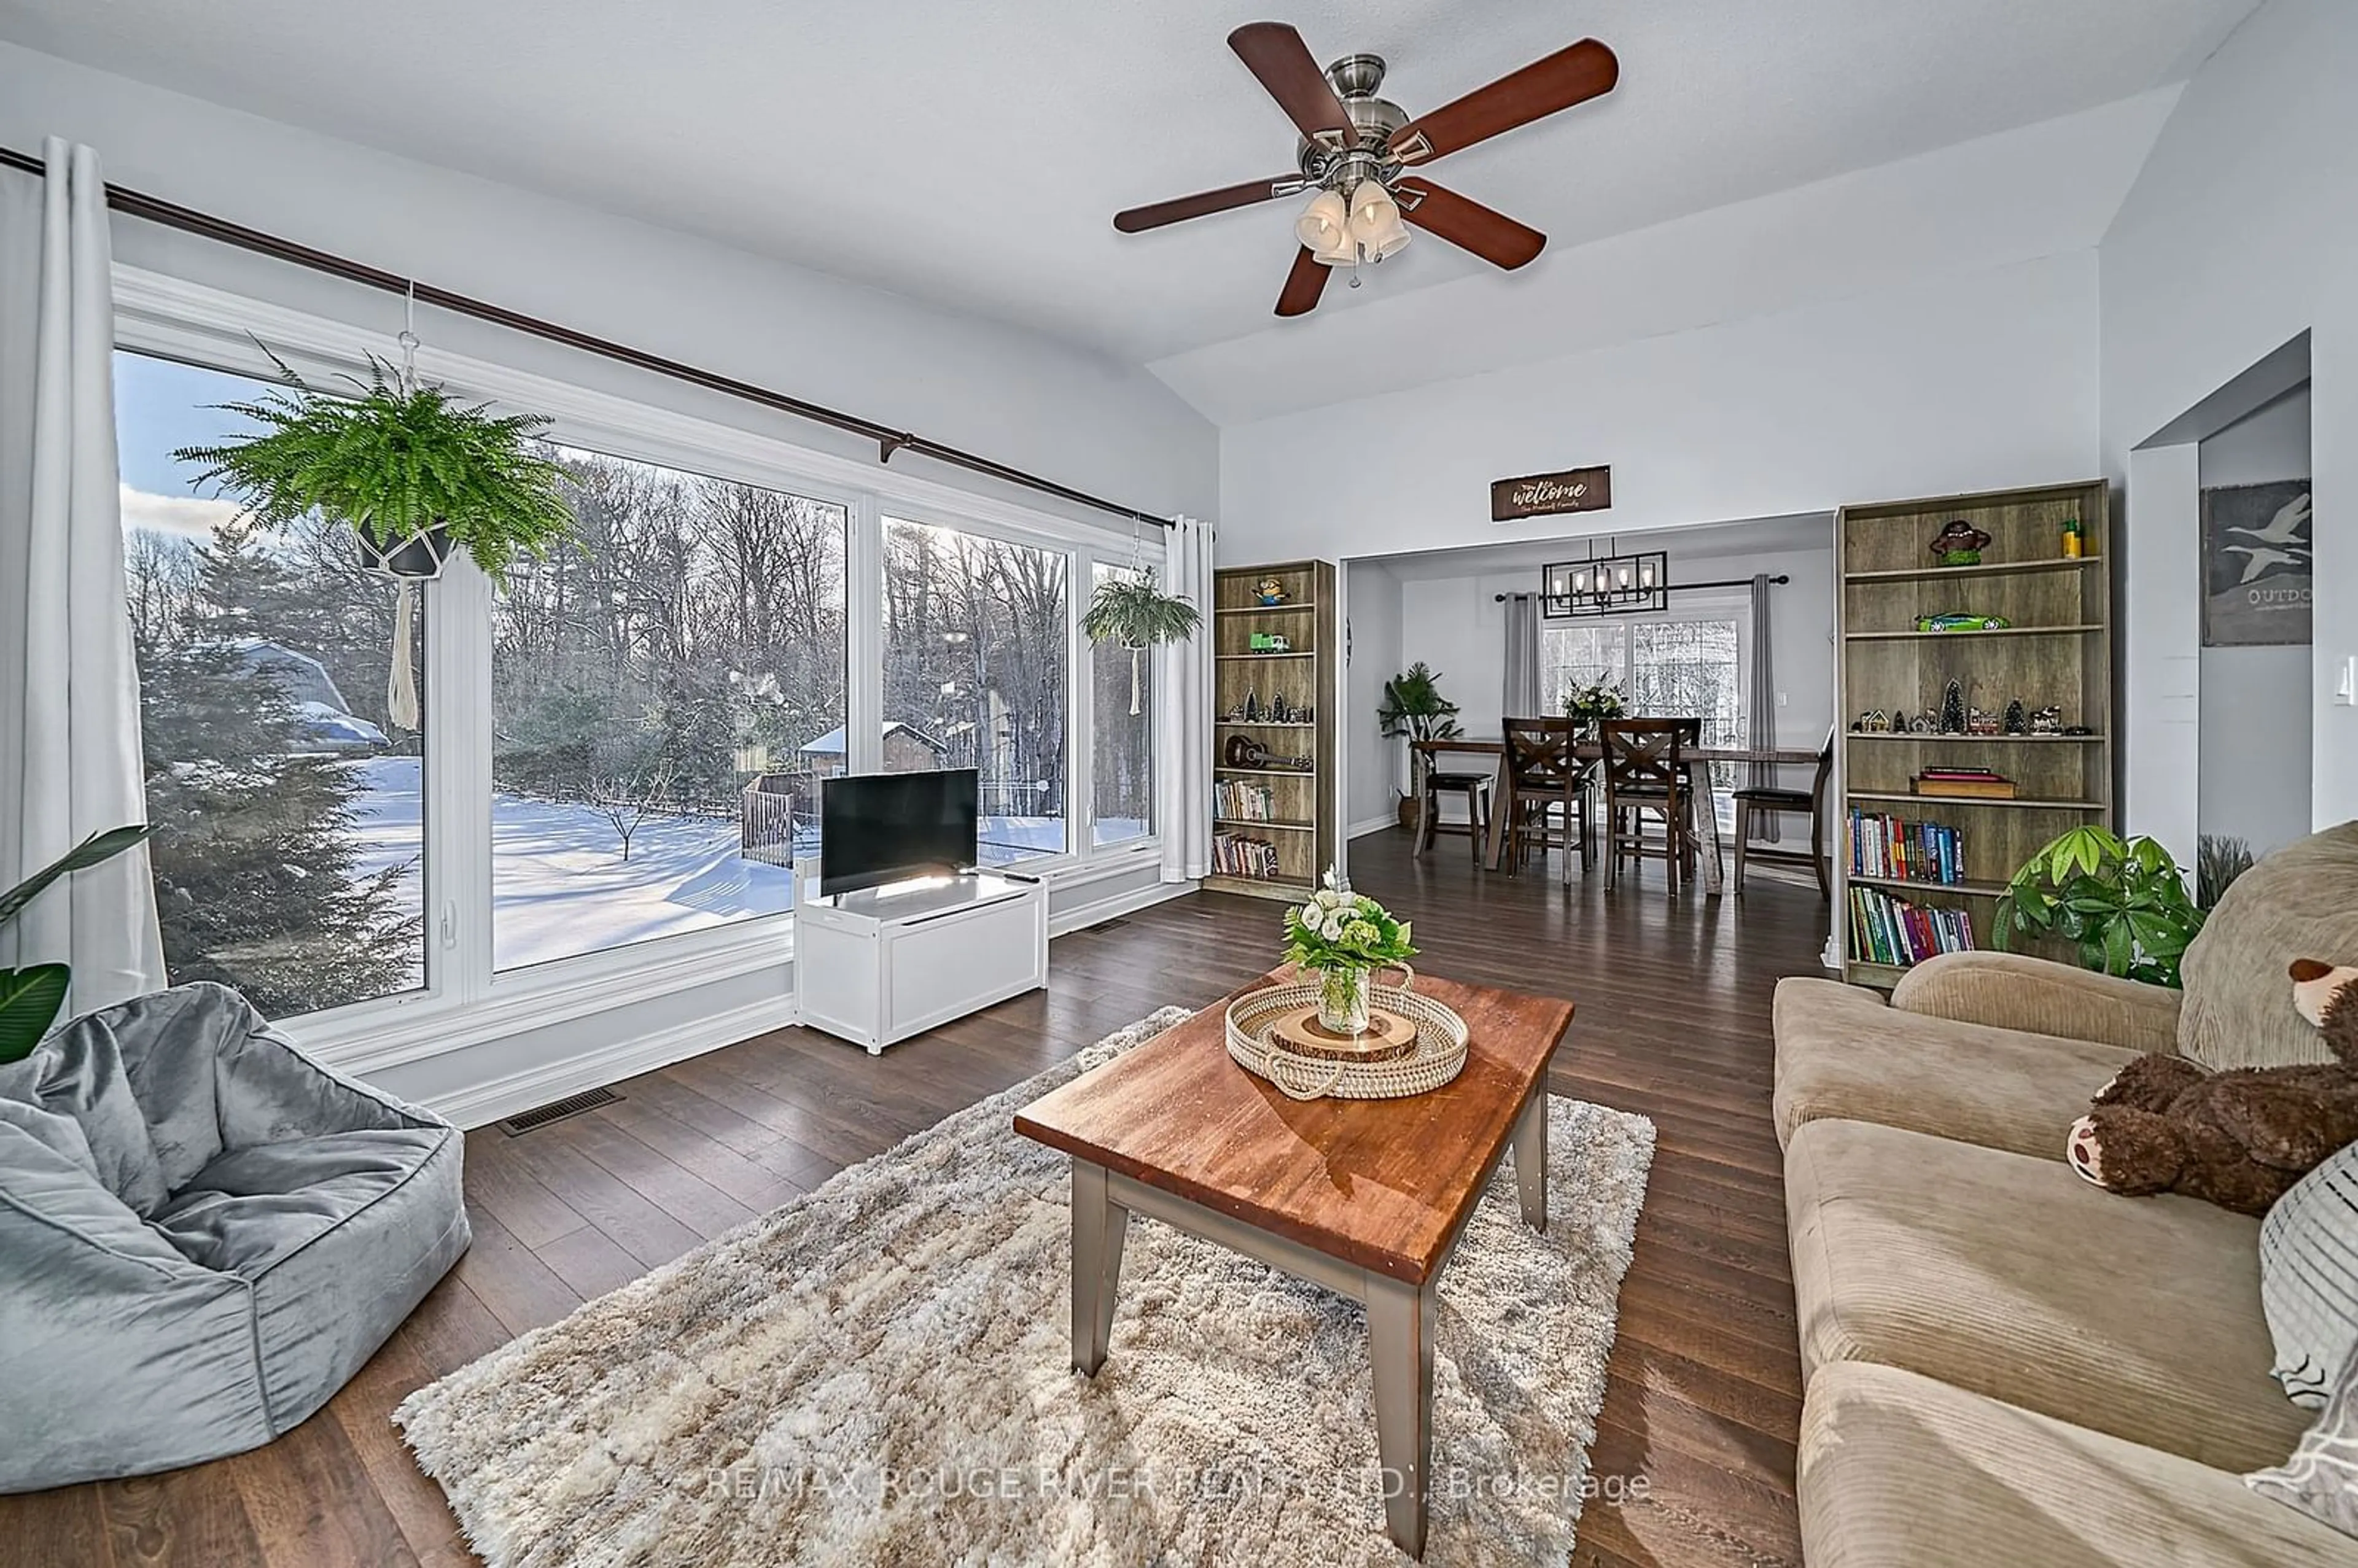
{"points": [[875, 829]]}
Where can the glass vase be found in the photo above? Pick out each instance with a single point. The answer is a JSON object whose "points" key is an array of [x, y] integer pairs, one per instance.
{"points": [[1342, 999]]}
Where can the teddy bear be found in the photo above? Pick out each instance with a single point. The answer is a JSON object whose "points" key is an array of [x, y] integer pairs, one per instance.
{"points": [[2239, 1138]]}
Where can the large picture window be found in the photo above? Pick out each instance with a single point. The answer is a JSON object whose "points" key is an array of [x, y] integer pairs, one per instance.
{"points": [[665, 700], [1690, 667], [289, 809], [622, 743], [976, 641]]}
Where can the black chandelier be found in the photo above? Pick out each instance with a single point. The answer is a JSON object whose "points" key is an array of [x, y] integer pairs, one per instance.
{"points": [[1611, 584]]}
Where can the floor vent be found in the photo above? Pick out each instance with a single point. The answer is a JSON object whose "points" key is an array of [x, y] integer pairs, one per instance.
{"points": [[1116, 923], [557, 1110]]}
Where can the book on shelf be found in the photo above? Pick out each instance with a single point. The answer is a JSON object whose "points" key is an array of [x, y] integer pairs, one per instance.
{"points": [[1966, 783], [1898, 849], [1235, 800], [1234, 855], [1896, 933]]}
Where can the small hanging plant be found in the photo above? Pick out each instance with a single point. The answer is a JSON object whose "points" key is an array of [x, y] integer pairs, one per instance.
{"points": [[1131, 612], [404, 465]]}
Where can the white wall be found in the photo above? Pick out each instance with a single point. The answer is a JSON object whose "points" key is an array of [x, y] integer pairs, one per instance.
{"points": [[1372, 765], [1014, 395], [2240, 232], [1946, 383], [2256, 708]]}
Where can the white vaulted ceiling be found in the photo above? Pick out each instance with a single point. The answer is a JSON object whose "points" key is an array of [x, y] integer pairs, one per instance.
{"points": [[972, 154]]}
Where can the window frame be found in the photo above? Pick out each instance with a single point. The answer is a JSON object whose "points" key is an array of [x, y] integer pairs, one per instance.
{"points": [[464, 1000], [1124, 560]]}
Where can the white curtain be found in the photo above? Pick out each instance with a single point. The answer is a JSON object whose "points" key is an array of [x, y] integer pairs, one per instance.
{"points": [[1520, 696], [70, 763], [1182, 712]]}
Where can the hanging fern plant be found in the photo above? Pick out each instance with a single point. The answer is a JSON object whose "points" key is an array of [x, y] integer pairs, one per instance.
{"points": [[398, 463], [1132, 611]]}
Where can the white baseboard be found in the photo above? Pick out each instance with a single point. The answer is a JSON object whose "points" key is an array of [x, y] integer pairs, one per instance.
{"points": [[1366, 825], [489, 1101], [1105, 909]]}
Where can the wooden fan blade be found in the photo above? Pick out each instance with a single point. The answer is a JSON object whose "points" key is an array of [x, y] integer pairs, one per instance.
{"points": [[1204, 203], [1275, 53], [1574, 75], [1303, 285], [1495, 237]]}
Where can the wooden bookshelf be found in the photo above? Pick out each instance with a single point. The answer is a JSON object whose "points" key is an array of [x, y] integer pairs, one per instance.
{"points": [[1305, 827], [2057, 650]]}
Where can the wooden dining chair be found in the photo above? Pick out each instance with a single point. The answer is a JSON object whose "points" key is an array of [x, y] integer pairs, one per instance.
{"points": [[1646, 774], [1476, 788], [1771, 802], [1545, 775]]}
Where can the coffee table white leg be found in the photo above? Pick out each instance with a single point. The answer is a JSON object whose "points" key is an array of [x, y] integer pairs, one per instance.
{"points": [[1099, 1226], [1399, 1343], [1530, 1158]]}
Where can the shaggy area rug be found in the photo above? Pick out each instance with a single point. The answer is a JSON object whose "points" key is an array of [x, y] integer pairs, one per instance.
{"points": [[879, 1373]]}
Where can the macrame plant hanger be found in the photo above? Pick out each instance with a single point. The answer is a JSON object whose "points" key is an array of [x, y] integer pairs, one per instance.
{"points": [[1139, 569], [400, 684]]}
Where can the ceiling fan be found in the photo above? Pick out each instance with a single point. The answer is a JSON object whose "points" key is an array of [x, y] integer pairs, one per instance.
{"points": [[1358, 152]]}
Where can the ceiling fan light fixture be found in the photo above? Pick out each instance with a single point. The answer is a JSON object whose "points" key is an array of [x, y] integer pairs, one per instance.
{"points": [[1324, 230], [1376, 222]]}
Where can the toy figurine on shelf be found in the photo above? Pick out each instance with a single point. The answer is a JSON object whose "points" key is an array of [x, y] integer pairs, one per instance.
{"points": [[1962, 622], [1952, 709], [2048, 720], [1960, 543], [1980, 723], [1271, 590], [2017, 721], [1874, 721], [1922, 724], [2074, 543], [1252, 708]]}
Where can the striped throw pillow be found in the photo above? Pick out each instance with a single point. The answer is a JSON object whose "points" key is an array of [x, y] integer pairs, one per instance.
{"points": [[2308, 1277]]}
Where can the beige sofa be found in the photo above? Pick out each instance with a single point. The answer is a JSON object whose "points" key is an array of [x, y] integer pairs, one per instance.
{"points": [[2005, 1365]]}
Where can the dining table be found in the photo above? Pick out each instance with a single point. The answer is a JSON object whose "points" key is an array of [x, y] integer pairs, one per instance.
{"points": [[1698, 761]]}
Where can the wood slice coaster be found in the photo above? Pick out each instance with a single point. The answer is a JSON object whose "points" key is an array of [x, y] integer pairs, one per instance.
{"points": [[1389, 1036]]}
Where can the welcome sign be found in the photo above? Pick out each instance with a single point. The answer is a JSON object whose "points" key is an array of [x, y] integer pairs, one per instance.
{"points": [[1545, 494]]}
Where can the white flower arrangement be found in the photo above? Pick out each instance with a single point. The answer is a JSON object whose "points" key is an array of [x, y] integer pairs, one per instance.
{"points": [[1337, 928]]}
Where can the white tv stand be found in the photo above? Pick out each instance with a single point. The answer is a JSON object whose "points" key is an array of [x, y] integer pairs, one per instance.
{"points": [[876, 966]]}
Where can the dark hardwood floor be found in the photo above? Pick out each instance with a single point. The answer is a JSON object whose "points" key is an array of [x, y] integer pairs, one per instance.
{"points": [[1704, 1400]]}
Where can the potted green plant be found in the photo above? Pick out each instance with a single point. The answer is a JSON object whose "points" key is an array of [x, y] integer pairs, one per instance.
{"points": [[1130, 612], [30, 996], [1413, 706], [415, 473], [2124, 902]]}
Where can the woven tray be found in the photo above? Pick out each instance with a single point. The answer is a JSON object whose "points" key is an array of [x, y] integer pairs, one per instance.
{"points": [[1258, 1024]]}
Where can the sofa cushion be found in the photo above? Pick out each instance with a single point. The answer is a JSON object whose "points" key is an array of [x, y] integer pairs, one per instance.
{"points": [[2008, 1275], [1897, 1468], [78, 1072], [252, 1207], [2308, 1277], [2299, 903], [1841, 1052]]}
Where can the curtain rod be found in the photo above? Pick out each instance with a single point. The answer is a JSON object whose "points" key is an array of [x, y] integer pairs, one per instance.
{"points": [[888, 441], [1671, 588]]}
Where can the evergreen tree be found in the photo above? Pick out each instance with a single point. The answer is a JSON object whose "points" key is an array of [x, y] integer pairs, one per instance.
{"points": [[254, 854]]}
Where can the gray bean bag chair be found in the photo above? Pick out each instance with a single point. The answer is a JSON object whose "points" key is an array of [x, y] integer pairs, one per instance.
{"points": [[203, 1234]]}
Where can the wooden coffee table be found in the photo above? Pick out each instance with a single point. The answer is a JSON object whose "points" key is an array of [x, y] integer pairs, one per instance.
{"points": [[1367, 1197]]}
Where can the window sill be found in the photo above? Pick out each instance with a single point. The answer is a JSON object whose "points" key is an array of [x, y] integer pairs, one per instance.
{"points": [[375, 1036]]}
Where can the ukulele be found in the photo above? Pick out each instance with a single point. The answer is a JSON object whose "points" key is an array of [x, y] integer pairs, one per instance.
{"points": [[1244, 751]]}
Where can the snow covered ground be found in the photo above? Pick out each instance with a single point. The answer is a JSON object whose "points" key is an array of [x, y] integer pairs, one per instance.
{"points": [[560, 886]]}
